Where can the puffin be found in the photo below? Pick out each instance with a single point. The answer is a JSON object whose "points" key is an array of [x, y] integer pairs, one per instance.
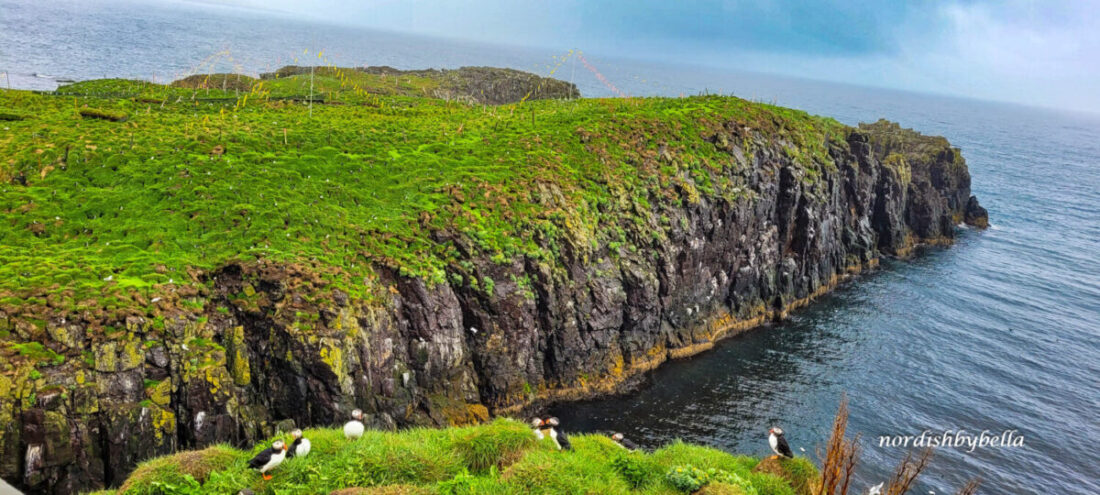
{"points": [[269, 458], [300, 446], [559, 437], [354, 429], [545, 429], [536, 424], [778, 443], [624, 442]]}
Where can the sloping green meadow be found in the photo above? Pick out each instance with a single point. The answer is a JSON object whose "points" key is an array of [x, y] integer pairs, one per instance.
{"points": [[501, 457], [100, 215]]}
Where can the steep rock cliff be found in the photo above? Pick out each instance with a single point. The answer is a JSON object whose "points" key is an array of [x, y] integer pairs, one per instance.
{"points": [[274, 342]]}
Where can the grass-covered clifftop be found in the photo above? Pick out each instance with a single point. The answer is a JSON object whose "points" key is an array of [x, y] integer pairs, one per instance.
{"points": [[100, 217], [501, 457], [197, 263]]}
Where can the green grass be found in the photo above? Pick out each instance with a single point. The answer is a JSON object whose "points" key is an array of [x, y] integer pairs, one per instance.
{"points": [[95, 113], [37, 353], [99, 217], [499, 457]]}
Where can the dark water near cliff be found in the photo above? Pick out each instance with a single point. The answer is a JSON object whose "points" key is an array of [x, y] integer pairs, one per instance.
{"points": [[995, 333]]}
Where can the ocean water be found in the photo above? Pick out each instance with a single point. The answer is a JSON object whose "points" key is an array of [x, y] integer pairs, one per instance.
{"points": [[998, 332]]}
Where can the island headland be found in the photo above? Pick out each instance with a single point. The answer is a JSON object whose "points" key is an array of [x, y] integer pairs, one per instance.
{"points": [[210, 261]]}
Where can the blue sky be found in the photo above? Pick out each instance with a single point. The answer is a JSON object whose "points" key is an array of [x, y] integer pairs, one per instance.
{"points": [[1043, 53]]}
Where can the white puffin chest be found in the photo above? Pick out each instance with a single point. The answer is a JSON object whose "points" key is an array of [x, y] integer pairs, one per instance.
{"points": [[353, 429], [303, 448], [774, 442], [276, 459], [552, 434]]}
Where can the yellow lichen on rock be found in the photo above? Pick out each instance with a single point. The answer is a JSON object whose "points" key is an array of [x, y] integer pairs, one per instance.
{"points": [[164, 423], [478, 412], [132, 355], [617, 366], [161, 393], [238, 358], [333, 356], [106, 357]]}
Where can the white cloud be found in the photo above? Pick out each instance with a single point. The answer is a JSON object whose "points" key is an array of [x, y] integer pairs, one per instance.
{"points": [[1029, 51], [1012, 51]]}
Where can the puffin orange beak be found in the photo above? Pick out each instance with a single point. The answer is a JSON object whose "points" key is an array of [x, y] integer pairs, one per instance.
{"points": [[285, 448]]}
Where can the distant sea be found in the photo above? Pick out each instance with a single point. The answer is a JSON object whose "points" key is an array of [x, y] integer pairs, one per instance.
{"points": [[998, 332]]}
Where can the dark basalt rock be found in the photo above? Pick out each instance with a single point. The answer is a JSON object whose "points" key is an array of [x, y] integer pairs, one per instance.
{"points": [[452, 353], [975, 214]]}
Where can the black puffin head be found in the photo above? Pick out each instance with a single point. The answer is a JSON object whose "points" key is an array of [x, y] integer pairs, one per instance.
{"points": [[357, 415], [775, 430], [618, 437], [297, 433], [536, 423], [278, 445], [553, 422]]}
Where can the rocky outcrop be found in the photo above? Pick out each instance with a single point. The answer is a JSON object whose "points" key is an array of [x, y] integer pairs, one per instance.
{"points": [[482, 85], [262, 344]]}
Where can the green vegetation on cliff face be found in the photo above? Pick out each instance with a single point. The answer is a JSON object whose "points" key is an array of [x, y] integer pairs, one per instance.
{"points": [[101, 217], [502, 457]]}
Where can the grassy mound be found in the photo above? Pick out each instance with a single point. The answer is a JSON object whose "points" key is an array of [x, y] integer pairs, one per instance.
{"points": [[498, 457], [227, 82], [185, 468]]}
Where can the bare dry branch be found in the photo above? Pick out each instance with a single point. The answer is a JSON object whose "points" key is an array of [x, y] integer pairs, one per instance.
{"points": [[970, 488], [841, 456], [908, 471]]}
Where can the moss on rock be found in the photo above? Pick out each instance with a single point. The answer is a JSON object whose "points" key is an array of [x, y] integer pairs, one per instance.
{"points": [[173, 469], [799, 473], [238, 357]]}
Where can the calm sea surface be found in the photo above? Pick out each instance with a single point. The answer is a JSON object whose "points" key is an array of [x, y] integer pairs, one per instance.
{"points": [[998, 332]]}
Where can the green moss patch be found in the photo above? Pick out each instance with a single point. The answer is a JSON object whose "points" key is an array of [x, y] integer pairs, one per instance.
{"points": [[11, 116], [95, 113], [38, 353]]}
